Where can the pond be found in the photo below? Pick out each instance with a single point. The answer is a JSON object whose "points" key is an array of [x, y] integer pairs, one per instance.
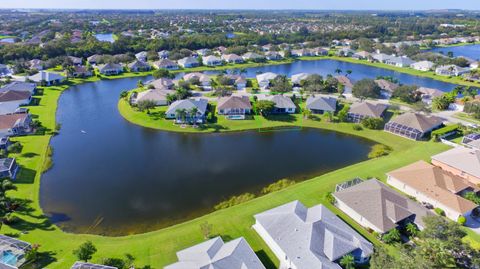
{"points": [[113, 177], [105, 37], [469, 51]]}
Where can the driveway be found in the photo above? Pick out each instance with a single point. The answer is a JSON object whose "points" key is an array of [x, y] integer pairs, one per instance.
{"points": [[473, 224]]}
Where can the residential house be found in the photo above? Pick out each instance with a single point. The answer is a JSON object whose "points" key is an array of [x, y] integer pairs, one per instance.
{"points": [[141, 56], [47, 78], [5, 142], [159, 96], [232, 58], [361, 55], [423, 66], [79, 71], [94, 59], [204, 52], [413, 125], [345, 52], [20, 86], [472, 141], [10, 101], [380, 57], [14, 252], [273, 56], [139, 66], [427, 94], [110, 69], [377, 207], [321, 104], [302, 53], [239, 81], [86, 265], [451, 70], [215, 253], [387, 87], [460, 161], [15, 124], [346, 82], [252, 56], [212, 61], [320, 51], [8, 168], [203, 79], [75, 60], [162, 83], [307, 238], [363, 110], [188, 62], [265, 78], [163, 54], [166, 64], [234, 106], [400, 61], [186, 106], [35, 64], [297, 78], [283, 104], [431, 185]]}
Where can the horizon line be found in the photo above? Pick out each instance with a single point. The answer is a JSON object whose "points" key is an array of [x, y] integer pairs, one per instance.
{"points": [[240, 9]]}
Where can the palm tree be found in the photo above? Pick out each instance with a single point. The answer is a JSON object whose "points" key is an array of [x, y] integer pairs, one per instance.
{"points": [[181, 115], [348, 72], [139, 84], [193, 114], [338, 71], [348, 261], [411, 229]]}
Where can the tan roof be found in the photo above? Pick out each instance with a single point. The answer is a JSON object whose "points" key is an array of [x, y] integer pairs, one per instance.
{"points": [[464, 159], [345, 81], [154, 95], [381, 205], [368, 109], [418, 121], [8, 121], [162, 83], [14, 96], [234, 102], [437, 184], [386, 85], [430, 91]]}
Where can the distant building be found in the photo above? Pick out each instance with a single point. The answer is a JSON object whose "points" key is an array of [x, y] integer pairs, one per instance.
{"points": [[110, 69], [423, 66], [166, 64], [47, 78], [188, 62]]}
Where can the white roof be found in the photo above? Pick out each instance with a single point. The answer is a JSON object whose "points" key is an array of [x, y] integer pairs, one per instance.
{"points": [[266, 76], [297, 78], [46, 76], [464, 159]]}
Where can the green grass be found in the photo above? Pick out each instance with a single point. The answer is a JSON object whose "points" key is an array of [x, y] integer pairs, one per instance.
{"points": [[158, 248], [464, 116]]}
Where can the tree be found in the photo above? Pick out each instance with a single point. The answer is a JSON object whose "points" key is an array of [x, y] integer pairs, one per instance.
{"points": [[442, 102], [85, 251], [412, 229], [392, 236], [407, 94], [381, 259], [343, 113], [348, 261], [193, 114], [312, 83], [265, 107], [280, 84], [146, 105], [206, 229], [338, 71], [162, 73], [123, 94], [181, 114], [372, 123], [366, 88], [348, 73]]}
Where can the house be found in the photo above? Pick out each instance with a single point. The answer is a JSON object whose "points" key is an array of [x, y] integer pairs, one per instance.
{"points": [[10, 101], [15, 124], [413, 125], [431, 185], [273, 56], [75, 60], [320, 51], [321, 104], [186, 106], [35, 64], [377, 207], [139, 66], [5, 70], [252, 56], [5, 142], [166, 64], [204, 80], [297, 78], [212, 61], [472, 141], [387, 87], [13, 252], [265, 78], [423, 66], [399, 61], [47, 78], [188, 62], [94, 59], [380, 57], [162, 83], [346, 82], [451, 70], [345, 52], [462, 162], [427, 94], [86, 265], [238, 80], [110, 69], [307, 238], [363, 110], [163, 54], [302, 53], [361, 55], [204, 52], [159, 96], [8, 168], [20, 86], [79, 71], [283, 104], [234, 106], [215, 253], [232, 58], [141, 56]]}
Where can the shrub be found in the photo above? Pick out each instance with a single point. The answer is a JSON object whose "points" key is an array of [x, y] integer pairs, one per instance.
{"points": [[15, 147], [329, 197], [439, 211], [372, 123], [234, 200], [461, 220], [392, 236], [379, 150], [343, 113], [279, 185], [437, 134], [472, 196], [357, 127]]}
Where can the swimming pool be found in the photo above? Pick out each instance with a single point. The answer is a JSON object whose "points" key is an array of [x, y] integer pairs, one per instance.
{"points": [[8, 258]]}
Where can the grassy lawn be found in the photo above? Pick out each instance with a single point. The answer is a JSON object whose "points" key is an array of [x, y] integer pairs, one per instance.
{"points": [[466, 117], [158, 248]]}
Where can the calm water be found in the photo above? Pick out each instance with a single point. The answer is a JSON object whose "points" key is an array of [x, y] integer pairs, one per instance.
{"points": [[105, 37], [325, 67], [119, 178], [7, 40], [470, 51]]}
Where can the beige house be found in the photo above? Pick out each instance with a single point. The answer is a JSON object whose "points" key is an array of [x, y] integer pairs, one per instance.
{"points": [[430, 184], [462, 162]]}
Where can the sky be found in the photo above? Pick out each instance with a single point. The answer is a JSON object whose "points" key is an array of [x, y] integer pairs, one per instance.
{"points": [[246, 4]]}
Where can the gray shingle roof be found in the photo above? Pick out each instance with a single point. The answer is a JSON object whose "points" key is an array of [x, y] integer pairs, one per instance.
{"points": [[281, 101], [368, 109], [200, 104], [311, 237], [46, 76], [418, 121], [19, 86], [241, 102], [322, 103]]}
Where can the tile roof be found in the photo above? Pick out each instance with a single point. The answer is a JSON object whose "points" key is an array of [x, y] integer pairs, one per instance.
{"points": [[418, 121], [464, 159]]}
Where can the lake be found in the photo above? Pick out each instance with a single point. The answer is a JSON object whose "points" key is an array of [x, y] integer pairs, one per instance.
{"points": [[105, 37], [469, 51]]}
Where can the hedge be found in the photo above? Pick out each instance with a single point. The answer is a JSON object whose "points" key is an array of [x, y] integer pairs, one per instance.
{"points": [[445, 130]]}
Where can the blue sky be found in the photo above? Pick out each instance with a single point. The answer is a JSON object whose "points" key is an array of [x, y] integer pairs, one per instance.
{"points": [[245, 4]]}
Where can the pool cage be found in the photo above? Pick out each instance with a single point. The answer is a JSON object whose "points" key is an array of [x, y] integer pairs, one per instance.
{"points": [[403, 130], [347, 184], [470, 138], [84, 265], [12, 251]]}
